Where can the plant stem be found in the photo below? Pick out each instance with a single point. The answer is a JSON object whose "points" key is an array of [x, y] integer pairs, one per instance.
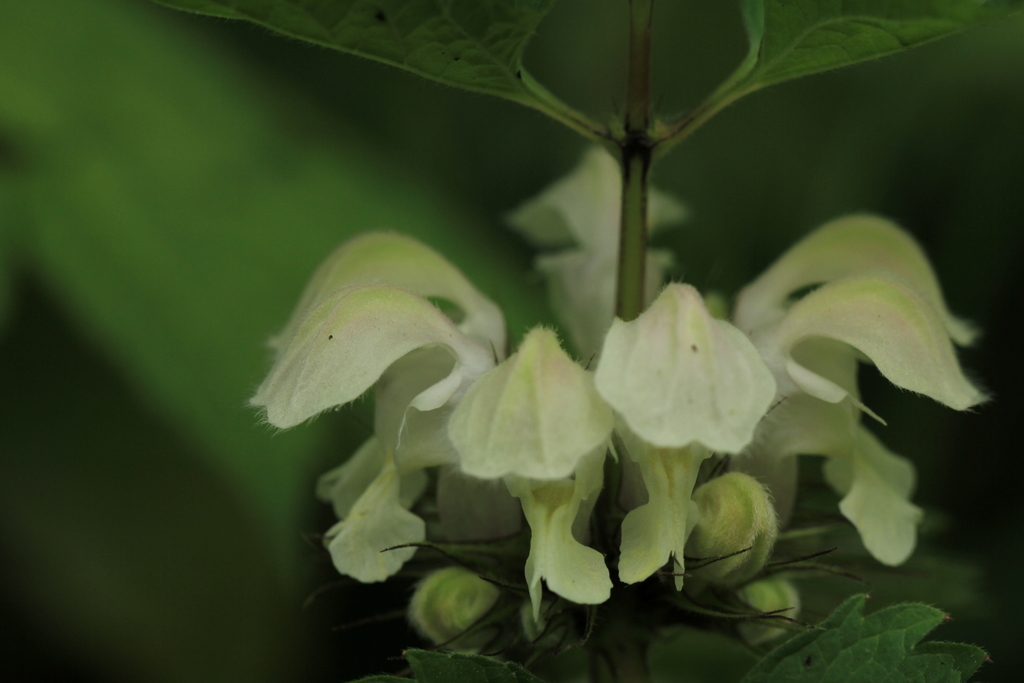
{"points": [[635, 148], [638, 85], [636, 162]]}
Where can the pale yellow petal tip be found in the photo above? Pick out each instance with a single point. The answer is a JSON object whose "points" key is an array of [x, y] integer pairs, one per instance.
{"points": [[876, 486], [677, 375], [570, 569], [535, 415], [656, 532], [377, 522]]}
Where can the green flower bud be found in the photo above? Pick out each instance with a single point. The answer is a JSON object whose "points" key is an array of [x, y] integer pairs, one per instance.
{"points": [[449, 601], [768, 595], [736, 513]]}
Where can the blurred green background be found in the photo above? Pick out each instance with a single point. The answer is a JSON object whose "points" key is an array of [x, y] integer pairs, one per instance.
{"points": [[167, 183]]}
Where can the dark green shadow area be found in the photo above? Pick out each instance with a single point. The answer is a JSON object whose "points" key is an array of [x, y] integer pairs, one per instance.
{"points": [[125, 555]]}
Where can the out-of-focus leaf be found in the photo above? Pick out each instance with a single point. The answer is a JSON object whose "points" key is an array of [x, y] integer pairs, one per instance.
{"points": [[178, 214], [878, 648], [793, 38], [12, 196], [472, 44], [120, 544]]}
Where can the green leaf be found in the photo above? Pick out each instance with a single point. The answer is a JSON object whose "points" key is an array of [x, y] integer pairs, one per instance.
{"points": [[446, 667], [793, 38], [967, 659], [472, 44], [879, 648], [12, 202]]}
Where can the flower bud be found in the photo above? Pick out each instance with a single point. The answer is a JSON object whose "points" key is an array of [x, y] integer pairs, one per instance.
{"points": [[768, 595], [735, 513], [448, 602]]}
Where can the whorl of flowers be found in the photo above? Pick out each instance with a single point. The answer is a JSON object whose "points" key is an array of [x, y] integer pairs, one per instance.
{"points": [[532, 431]]}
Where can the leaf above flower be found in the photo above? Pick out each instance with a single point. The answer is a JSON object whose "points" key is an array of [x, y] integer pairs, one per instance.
{"points": [[472, 44], [793, 38]]}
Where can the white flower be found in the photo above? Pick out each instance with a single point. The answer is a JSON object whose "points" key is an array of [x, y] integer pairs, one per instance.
{"points": [[553, 510], [878, 301], [671, 388], [364, 321], [686, 385]]}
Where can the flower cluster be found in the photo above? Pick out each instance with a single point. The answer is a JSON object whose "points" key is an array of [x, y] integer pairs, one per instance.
{"points": [[528, 434]]}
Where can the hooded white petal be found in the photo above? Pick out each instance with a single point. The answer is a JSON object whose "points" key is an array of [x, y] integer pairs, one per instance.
{"points": [[876, 486], [657, 531], [857, 245], [583, 211], [399, 261], [534, 415], [569, 568], [414, 400], [677, 375], [377, 520], [347, 341], [583, 208], [342, 486], [886, 321]]}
